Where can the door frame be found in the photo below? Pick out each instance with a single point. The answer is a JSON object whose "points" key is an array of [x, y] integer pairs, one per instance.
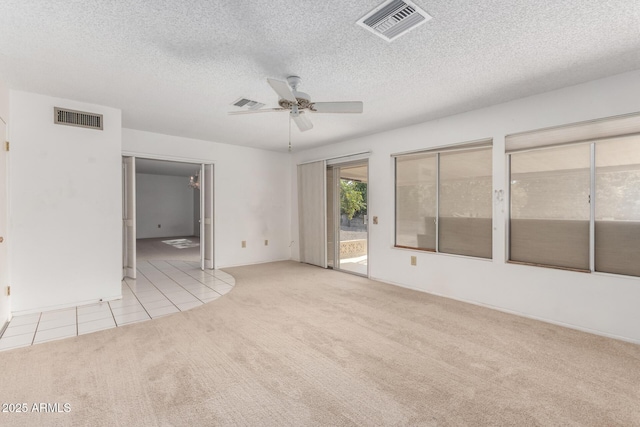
{"points": [[129, 258], [202, 162], [5, 299], [207, 253]]}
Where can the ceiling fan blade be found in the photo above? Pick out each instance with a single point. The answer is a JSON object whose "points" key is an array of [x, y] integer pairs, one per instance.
{"points": [[265, 110], [283, 90], [302, 121], [337, 107]]}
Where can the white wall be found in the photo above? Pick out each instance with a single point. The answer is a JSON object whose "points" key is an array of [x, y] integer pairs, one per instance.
{"points": [[600, 303], [164, 200], [252, 193], [65, 206], [5, 301]]}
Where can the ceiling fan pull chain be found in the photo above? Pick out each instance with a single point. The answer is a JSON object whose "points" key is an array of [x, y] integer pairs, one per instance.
{"points": [[289, 132]]}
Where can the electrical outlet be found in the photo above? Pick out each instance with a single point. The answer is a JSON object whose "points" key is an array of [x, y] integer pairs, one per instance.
{"points": [[414, 260], [244, 243], [266, 243]]}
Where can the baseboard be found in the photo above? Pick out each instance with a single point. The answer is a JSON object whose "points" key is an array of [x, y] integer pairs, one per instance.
{"points": [[252, 263], [68, 305], [516, 313], [3, 328]]}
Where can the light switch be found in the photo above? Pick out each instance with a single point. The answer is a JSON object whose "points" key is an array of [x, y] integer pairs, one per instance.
{"points": [[375, 220]]}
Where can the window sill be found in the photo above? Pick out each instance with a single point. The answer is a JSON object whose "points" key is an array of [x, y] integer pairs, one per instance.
{"points": [[432, 251], [555, 267]]}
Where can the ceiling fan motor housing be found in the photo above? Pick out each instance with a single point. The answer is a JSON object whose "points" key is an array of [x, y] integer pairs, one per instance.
{"points": [[304, 100]]}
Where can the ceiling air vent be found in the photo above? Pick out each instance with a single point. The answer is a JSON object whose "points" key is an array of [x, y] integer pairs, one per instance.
{"points": [[393, 18], [247, 104], [62, 116]]}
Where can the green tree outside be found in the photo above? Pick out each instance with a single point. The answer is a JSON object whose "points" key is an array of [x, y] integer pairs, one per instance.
{"points": [[362, 188], [352, 199]]}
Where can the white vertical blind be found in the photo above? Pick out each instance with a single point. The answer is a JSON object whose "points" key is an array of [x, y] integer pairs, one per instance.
{"points": [[311, 213]]}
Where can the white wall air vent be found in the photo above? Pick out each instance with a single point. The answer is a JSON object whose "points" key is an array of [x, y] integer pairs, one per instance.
{"points": [[247, 104], [393, 18], [62, 116]]}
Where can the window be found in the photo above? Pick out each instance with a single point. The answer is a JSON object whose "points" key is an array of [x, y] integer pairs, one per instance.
{"points": [[416, 201], [617, 209], [550, 206], [443, 201], [575, 196]]}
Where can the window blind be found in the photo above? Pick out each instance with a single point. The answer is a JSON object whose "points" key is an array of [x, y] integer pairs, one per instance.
{"points": [[480, 143], [550, 207], [588, 131], [617, 209], [465, 207]]}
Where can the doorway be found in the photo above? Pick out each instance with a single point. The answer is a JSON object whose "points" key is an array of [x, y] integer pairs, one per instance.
{"points": [[167, 212], [347, 218], [5, 309]]}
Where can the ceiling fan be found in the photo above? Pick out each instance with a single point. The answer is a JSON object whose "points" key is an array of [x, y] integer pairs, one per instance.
{"points": [[299, 103]]}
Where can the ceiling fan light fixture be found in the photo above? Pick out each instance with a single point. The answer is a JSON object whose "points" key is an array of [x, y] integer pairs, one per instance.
{"points": [[302, 121], [299, 106]]}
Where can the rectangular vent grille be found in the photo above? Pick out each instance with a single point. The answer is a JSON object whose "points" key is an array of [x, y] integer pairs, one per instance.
{"points": [[247, 104], [62, 116], [393, 18]]}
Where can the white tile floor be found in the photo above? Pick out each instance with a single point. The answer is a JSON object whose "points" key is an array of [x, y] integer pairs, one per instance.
{"points": [[162, 288]]}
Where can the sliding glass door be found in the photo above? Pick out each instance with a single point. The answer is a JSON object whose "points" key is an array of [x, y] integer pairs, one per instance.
{"points": [[347, 218]]}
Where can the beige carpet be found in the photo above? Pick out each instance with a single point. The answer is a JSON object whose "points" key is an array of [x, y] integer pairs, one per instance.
{"points": [[296, 345]]}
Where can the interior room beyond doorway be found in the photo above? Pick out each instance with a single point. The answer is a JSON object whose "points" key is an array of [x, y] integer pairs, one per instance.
{"points": [[167, 210]]}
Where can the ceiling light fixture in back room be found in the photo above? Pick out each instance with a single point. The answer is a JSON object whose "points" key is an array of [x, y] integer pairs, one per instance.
{"points": [[194, 181]]}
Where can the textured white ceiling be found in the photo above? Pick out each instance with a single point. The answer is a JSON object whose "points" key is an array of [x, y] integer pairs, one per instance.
{"points": [[174, 67]]}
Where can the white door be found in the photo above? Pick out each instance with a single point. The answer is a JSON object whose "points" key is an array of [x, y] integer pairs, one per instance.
{"points": [[4, 253], [129, 217], [206, 217]]}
